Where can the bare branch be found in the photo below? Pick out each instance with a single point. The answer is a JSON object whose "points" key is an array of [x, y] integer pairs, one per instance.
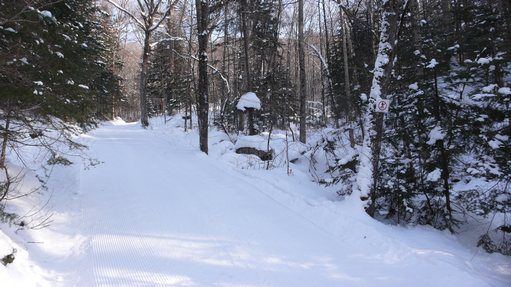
{"points": [[124, 10]]}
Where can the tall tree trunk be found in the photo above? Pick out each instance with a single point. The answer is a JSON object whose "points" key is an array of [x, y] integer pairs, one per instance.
{"points": [[322, 70], [444, 154], [143, 82], [225, 96], [244, 27], [370, 19], [347, 86], [367, 177], [202, 7], [303, 84], [5, 137], [334, 107]]}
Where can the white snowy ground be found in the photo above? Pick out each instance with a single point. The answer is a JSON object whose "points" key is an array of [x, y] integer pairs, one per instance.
{"points": [[157, 212]]}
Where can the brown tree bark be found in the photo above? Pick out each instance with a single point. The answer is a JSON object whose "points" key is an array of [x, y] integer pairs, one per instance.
{"points": [[202, 7], [303, 84], [143, 82]]}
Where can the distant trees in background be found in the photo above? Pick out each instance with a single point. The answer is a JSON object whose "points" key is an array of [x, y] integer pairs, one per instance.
{"points": [[443, 64]]}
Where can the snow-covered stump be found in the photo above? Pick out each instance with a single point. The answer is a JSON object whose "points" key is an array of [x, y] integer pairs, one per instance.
{"points": [[248, 102], [256, 145]]}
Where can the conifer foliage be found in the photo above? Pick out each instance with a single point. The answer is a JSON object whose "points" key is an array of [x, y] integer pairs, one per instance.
{"points": [[56, 73]]}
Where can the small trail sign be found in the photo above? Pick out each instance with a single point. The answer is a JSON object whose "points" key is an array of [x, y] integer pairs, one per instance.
{"points": [[382, 106]]}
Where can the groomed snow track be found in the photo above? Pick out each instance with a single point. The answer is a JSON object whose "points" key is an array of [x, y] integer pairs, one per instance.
{"points": [[159, 213]]}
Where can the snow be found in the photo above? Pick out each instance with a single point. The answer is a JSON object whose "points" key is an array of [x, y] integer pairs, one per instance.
{"points": [[489, 88], [249, 100], [482, 96], [494, 144], [434, 175], [503, 197], [39, 83], [505, 91], [83, 87], [484, 61], [432, 64], [435, 134], [455, 47], [157, 212], [414, 87], [257, 142], [46, 13], [59, 54], [11, 30], [502, 137]]}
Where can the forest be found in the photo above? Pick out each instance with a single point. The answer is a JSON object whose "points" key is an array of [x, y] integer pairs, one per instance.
{"points": [[403, 104]]}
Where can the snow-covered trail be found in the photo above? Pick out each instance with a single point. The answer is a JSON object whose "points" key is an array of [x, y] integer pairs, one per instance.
{"points": [[159, 213]]}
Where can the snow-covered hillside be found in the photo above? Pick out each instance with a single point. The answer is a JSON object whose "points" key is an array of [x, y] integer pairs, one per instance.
{"points": [[157, 212]]}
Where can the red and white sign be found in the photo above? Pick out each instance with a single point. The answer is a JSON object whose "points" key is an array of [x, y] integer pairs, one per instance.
{"points": [[382, 106]]}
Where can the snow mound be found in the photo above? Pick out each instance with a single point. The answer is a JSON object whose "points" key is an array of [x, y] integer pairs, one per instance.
{"points": [[117, 121], [257, 142], [505, 91], [249, 101]]}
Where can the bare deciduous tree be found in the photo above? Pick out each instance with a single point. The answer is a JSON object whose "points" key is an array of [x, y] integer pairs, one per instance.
{"points": [[151, 14]]}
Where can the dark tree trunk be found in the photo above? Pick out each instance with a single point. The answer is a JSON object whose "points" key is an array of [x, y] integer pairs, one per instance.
{"points": [[250, 122], [444, 154], [248, 80], [333, 102], [202, 7], [143, 82], [301, 60], [5, 137]]}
